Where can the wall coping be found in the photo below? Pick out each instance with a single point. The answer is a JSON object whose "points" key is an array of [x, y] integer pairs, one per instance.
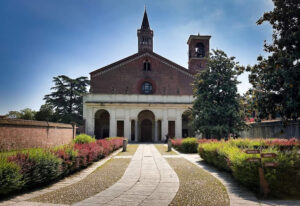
{"points": [[274, 122], [21, 122], [138, 98]]}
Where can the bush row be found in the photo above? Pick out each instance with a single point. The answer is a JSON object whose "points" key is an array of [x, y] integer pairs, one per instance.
{"points": [[283, 180], [33, 167], [189, 144]]}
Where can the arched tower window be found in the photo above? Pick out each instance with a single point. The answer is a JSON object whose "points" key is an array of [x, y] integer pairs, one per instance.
{"points": [[199, 50], [147, 66], [147, 88]]}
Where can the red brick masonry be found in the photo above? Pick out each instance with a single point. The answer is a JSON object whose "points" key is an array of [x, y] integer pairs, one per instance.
{"points": [[19, 134]]}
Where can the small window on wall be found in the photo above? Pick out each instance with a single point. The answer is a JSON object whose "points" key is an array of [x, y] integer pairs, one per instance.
{"points": [[147, 88], [147, 66]]}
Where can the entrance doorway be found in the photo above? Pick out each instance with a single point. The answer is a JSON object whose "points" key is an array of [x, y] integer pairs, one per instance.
{"points": [[146, 126], [146, 130], [101, 124]]}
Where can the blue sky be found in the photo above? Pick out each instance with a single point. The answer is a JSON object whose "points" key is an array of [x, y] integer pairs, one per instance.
{"points": [[40, 39]]}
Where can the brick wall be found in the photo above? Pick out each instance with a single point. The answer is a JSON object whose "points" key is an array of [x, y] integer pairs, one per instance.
{"points": [[127, 79], [20, 134]]}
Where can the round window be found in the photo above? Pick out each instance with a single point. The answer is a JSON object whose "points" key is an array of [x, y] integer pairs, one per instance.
{"points": [[147, 88]]}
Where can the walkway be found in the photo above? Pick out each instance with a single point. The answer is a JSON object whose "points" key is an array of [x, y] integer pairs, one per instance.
{"points": [[148, 180]]}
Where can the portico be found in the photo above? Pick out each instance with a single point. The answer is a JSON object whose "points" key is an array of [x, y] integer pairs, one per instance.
{"points": [[140, 118]]}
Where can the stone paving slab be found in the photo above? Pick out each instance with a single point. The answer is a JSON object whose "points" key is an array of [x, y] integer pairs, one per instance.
{"points": [[148, 180], [238, 195], [21, 199]]}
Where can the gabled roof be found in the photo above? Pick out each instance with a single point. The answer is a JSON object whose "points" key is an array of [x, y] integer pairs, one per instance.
{"points": [[135, 56]]}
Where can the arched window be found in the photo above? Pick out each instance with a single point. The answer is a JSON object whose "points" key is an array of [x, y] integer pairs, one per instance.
{"points": [[147, 88], [199, 50], [147, 66]]}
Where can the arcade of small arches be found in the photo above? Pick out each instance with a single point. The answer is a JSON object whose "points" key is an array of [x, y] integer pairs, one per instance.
{"points": [[145, 127]]}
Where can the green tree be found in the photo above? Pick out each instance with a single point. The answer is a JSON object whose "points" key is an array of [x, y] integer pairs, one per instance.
{"points": [[216, 108], [45, 113], [247, 105], [27, 114], [276, 79], [66, 98], [14, 115]]}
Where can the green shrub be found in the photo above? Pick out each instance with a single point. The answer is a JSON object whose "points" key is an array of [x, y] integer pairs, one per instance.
{"points": [[10, 177], [83, 138], [244, 171], [38, 166], [283, 180], [189, 145]]}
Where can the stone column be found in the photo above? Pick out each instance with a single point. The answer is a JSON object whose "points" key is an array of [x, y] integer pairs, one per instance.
{"points": [[90, 122], [178, 127], [136, 130], [112, 127], [156, 131], [127, 128], [164, 128]]}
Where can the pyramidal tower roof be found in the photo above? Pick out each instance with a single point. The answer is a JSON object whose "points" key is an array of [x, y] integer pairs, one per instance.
{"points": [[145, 23]]}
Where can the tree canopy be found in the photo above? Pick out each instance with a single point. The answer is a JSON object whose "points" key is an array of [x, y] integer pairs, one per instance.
{"points": [[27, 114], [216, 107], [66, 98], [276, 79]]}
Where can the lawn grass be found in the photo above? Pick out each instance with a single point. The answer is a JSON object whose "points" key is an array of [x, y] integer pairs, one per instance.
{"points": [[197, 187], [131, 149], [163, 150], [102, 178]]}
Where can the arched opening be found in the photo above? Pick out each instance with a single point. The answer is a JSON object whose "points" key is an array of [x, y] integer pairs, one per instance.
{"points": [[147, 66], [146, 126], [187, 124], [101, 124], [199, 50]]}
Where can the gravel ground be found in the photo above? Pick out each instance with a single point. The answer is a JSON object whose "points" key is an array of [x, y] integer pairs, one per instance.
{"points": [[197, 187], [102, 178], [163, 150], [131, 148]]}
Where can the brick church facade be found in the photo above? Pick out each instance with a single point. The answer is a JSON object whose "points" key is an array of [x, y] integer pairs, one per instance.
{"points": [[145, 96]]}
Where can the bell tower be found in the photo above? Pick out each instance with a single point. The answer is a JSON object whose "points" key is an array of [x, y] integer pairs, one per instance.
{"points": [[198, 52], [145, 35]]}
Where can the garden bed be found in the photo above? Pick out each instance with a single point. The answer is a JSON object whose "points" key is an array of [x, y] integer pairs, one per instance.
{"points": [[31, 168], [189, 144], [281, 171]]}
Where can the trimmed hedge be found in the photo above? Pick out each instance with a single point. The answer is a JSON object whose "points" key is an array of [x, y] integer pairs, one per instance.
{"points": [[83, 138], [34, 167], [283, 180], [189, 144]]}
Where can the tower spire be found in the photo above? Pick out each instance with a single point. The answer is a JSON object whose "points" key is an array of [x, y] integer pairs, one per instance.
{"points": [[145, 23], [145, 35]]}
